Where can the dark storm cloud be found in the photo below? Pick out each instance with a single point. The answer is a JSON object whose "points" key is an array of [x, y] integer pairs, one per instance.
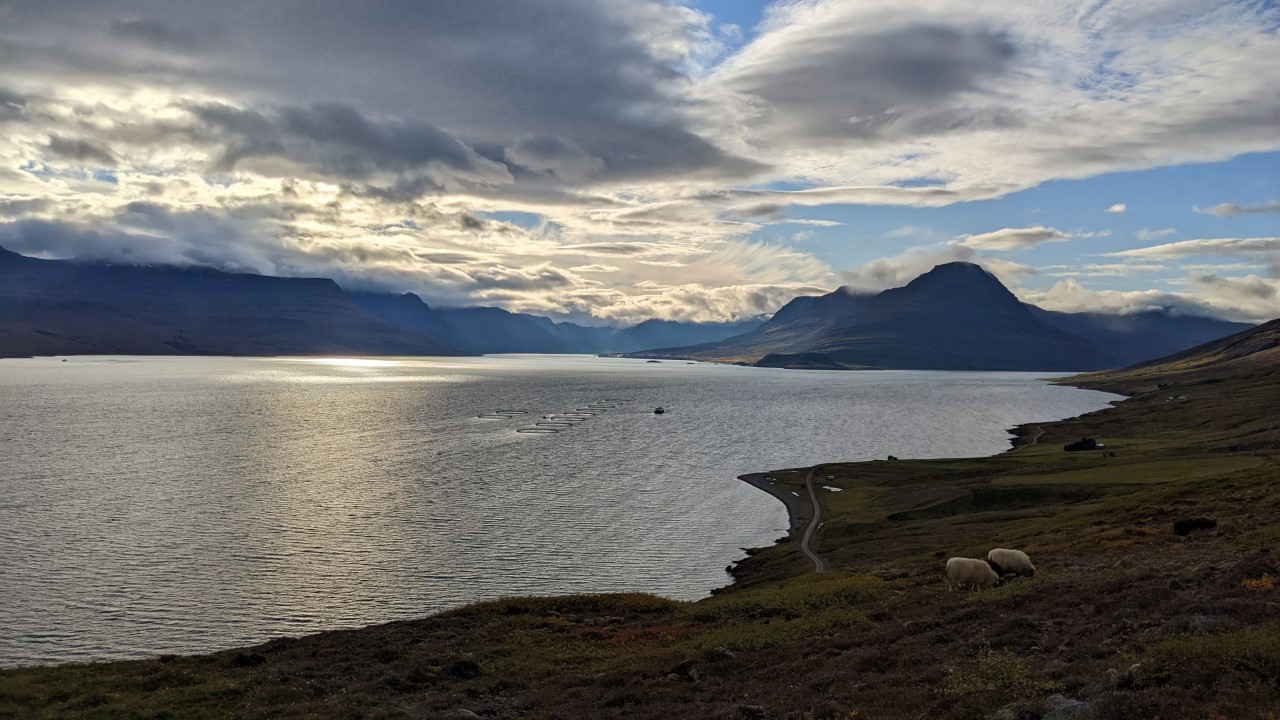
{"points": [[337, 140], [155, 34], [845, 84], [605, 78], [542, 277], [12, 105], [17, 207], [80, 150]]}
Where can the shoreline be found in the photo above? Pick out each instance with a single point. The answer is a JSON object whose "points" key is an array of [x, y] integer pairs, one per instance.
{"points": [[798, 511]]}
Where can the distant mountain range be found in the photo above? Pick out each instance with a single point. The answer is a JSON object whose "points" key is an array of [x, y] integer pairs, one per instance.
{"points": [[494, 330], [954, 317], [63, 307]]}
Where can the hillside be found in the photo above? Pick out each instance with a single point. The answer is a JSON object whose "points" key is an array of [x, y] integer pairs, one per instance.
{"points": [[957, 316], [60, 307], [1123, 618]]}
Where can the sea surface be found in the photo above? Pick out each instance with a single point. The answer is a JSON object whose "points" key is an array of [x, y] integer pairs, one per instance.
{"points": [[183, 505]]}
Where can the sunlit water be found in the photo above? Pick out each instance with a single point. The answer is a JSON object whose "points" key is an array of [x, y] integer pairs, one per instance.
{"points": [[179, 505]]}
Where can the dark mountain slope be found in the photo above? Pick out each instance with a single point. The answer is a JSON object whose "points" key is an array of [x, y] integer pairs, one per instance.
{"points": [[1140, 336], [494, 330], [65, 307], [955, 317]]}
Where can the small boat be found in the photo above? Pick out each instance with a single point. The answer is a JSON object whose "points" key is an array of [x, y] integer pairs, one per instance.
{"points": [[659, 411]]}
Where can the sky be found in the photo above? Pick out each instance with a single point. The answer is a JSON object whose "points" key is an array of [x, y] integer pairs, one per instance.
{"points": [[612, 162]]}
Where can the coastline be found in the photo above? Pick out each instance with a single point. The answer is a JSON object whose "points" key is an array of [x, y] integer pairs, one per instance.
{"points": [[798, 511]]}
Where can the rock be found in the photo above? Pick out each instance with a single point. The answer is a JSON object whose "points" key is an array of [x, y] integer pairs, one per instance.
{"points": [[1064, 708], [686, 671], [1186, 527], [248, 660], [465, 669], [458, 714], [717, 654]]}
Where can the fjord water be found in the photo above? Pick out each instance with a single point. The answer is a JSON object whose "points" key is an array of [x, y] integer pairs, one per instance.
{"points": [[181, 505]]}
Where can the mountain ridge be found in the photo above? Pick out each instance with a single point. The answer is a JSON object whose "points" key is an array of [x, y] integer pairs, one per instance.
{"points": [[956, 316], [66, 307]]}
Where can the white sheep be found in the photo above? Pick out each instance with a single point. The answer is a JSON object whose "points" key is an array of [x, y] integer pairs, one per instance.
{"points": [[970, 572], [1006, 561]]}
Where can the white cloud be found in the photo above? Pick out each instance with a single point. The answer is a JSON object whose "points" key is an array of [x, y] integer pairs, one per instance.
{"points": [[1231, 209], [1148, 235], [1102, 269], [1014, 238], [1118, 208], [1214, 246], [901, 269], [1248, 299]]}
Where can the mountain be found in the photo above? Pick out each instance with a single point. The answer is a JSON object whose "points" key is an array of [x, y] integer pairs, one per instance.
{"points": [[54, 307], [1141, 336], [494, 330], [478, 330], [957, 316]]}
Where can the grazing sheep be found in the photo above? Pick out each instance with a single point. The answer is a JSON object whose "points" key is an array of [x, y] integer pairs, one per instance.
{"points": [[1005, 562], [970, 572]]}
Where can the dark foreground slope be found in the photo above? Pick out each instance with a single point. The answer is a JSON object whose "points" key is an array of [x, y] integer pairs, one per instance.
{"points": [[58, 307], [1122, 615], [954, 317]]}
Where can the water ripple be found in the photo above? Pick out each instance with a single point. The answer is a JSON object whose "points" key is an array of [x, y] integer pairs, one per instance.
{"points": [[180, 505]]}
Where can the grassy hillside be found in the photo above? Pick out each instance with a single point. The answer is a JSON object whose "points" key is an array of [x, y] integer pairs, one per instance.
{"points": [[1122, 614]]}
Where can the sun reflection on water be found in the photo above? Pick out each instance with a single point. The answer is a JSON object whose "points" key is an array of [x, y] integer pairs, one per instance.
{"points": [[352, 362]]}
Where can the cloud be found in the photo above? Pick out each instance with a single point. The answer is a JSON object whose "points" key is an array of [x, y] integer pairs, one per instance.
{"points": [[1118, 208], [1070, 296], [1147, 234], [1103, 269], [1014, 238], [692, 303], [1215, 246], [1247, 299], [554, 156], [80, 150], [818, 77], [339, 142], [901, 269], [155, 34], [1225, 210], [641, 146]]}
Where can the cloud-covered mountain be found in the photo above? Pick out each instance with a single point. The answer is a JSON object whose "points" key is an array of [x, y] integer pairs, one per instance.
{"points": [[59, 307], [957, 316]]}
